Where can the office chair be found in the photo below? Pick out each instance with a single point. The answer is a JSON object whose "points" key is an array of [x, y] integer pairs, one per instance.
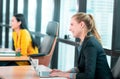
{"points": [[47, 45], [116, 68]]}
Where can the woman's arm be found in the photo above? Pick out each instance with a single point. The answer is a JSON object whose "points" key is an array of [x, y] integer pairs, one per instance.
{"points": [[60, 74], [71, 74], [25, 41]]}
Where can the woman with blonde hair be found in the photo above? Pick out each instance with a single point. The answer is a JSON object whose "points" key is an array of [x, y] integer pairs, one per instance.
{"points": [[92, 62]]}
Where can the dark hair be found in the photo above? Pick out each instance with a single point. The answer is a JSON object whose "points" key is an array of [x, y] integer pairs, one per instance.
{"points": [[21, 18]]}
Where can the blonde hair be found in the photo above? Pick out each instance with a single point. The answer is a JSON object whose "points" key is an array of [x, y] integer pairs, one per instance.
{"points": [[89, 22]]}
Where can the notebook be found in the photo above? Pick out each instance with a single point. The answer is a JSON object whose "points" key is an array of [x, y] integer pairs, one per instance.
{"points": [[7, 52]]}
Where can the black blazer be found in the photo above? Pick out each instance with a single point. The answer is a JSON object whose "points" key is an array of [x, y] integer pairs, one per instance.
{"points": [[92, 62]]}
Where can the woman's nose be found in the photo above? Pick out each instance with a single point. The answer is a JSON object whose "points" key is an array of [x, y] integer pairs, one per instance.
{"points": [[70, 28]]}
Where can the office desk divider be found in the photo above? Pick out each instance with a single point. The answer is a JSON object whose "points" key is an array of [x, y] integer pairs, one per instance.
{"points": [[41, 70]]}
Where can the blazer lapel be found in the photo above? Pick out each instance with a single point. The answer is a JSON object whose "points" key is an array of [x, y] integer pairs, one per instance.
{"points": [[83, 47]]}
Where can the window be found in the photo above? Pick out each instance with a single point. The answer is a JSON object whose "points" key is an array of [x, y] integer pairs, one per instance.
{"points": [[31, 14], [47, 14], [10, 30], [20, 6], [102, 10], [3, 29], [66, 52]]}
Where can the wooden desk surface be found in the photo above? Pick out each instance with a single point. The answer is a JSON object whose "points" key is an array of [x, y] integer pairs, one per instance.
{"points": [[21, 58], [21, 72], [18, 72]]}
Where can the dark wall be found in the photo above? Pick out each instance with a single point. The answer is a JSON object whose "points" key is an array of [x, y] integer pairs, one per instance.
{"points": [[116, 26]]}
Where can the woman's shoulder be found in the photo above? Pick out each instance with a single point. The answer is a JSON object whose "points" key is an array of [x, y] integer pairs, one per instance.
{"points": [[24, 31], [92, 41]]}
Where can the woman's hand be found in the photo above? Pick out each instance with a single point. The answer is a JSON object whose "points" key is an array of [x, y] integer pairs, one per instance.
{"points": [[55, 70], [58, 73], [18, 50]]}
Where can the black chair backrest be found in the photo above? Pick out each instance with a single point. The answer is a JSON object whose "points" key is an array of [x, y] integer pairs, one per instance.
{"points": [[48, 40], [116, 67], [116, 70], [52, 28]]}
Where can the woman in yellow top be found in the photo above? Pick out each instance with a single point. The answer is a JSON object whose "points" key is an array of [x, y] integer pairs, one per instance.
{"points": [[23, 40]]}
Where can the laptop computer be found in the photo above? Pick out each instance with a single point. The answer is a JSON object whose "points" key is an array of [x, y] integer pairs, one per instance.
{"points": [[41, 70], [7, 52]]}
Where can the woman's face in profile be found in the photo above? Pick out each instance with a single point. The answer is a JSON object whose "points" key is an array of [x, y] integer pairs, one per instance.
{"points": [[14, 23], [75, 28]]}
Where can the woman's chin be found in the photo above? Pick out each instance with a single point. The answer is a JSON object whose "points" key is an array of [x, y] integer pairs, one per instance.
{"points": [[74, 36]]}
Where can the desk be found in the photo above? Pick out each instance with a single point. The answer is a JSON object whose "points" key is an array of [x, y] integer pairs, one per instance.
{"points": [[18, 72], [21, 58], [21, 72]]}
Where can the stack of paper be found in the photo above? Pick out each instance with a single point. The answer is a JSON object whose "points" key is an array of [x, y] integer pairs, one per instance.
{"points": [[7, 52]]}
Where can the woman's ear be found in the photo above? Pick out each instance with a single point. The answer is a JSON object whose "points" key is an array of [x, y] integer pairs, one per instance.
{"points": [[82, 24], [19, 22]]}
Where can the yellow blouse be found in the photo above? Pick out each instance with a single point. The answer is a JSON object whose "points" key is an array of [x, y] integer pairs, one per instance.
{"points": [[23, 41]]}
